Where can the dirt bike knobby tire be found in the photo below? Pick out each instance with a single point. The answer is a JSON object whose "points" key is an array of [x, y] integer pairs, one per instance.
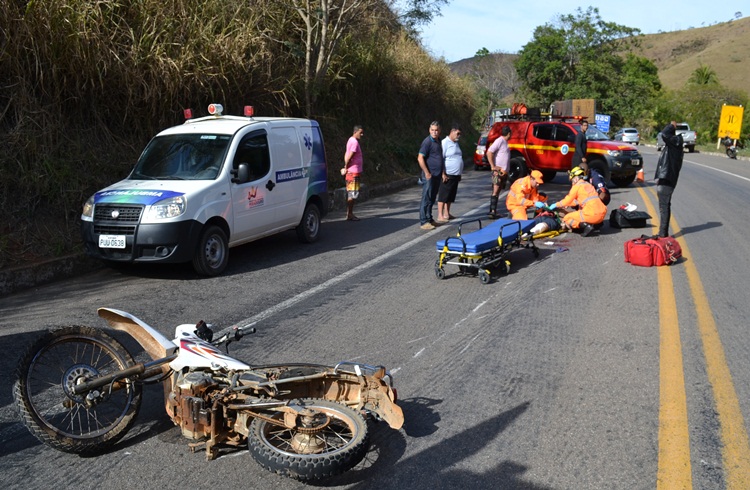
{"points": [[270, 453], [52, 414]]}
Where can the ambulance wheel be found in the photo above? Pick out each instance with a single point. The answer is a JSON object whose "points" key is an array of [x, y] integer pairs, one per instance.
{"points": [[309, 228], [484, 277], [212, 255]]}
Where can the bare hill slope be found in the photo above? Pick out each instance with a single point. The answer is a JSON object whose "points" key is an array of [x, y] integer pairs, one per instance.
{"points": [[724, 47]]}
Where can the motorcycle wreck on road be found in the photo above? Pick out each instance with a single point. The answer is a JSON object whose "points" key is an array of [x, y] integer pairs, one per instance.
{"points": [[79, 390]]}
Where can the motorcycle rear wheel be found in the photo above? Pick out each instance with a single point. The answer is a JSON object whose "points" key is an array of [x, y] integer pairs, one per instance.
{"points": [[331, 450], [47, 405]]}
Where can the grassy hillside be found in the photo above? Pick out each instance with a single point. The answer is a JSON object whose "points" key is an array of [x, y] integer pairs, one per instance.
{"points": [[84, 85], [724, 47]]}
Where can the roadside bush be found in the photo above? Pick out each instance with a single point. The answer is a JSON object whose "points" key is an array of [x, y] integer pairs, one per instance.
{"points": [[84, 85]]}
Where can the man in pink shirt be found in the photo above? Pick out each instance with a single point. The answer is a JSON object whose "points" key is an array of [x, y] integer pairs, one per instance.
{"points": [[498, 154], [353, 169]]}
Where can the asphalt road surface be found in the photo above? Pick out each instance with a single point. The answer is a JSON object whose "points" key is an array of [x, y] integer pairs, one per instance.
{"points": [[574, 371]]}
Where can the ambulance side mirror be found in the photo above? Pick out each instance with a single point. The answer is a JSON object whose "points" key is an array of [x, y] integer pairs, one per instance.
{"points": [[241, 174]]}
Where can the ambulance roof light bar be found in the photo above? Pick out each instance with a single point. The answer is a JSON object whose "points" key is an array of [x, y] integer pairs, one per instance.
{"points": [[215, 109]]}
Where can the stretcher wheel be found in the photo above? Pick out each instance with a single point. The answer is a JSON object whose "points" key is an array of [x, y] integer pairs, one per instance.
{"points": [[536, 253], [439, 271], [505, 267], [484, 277]]}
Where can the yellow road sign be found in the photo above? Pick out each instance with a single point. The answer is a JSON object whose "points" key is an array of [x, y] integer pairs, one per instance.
{"points": [[730, 123]]}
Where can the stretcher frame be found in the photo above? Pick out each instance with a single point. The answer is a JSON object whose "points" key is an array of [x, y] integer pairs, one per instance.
{"points": [[455, 250]]}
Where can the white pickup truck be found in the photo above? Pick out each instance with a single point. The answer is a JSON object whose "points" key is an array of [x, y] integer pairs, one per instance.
{"points": [[688, 137]]}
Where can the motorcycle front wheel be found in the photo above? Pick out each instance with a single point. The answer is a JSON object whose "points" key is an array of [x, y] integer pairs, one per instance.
{"points": [[329, 440], [43, 391]]}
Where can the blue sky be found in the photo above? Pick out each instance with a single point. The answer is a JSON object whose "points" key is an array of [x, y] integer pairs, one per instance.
{"points": [[469, 25]]}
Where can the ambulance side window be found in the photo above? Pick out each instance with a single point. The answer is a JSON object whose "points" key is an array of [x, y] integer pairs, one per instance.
{"points": [[253, 150]]}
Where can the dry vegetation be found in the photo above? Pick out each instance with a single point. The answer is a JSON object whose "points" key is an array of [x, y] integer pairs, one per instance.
{"points": [[84, 85], [724, 47]]}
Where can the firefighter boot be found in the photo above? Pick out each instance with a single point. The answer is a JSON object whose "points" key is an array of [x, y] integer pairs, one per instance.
{"points": [[493, 208]]}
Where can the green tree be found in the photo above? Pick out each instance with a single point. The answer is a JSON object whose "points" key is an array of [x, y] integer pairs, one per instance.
{"points": [[416, 13], [583, 56], [703, 75], [700, 106]]}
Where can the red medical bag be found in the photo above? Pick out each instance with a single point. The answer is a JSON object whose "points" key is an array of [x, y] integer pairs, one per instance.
{"points": [[649, 251]]}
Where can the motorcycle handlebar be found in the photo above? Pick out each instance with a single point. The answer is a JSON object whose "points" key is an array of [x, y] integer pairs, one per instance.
{"points": [[234, 334]]}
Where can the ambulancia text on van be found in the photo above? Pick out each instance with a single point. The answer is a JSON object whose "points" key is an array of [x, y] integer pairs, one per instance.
{"points": [[210, 184]]}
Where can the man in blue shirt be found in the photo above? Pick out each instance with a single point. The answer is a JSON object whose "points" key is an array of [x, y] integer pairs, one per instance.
{"points": [[431, 162]]}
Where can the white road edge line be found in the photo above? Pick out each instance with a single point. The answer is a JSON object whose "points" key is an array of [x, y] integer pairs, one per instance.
{"points": [[332, 282], [718, 170]]}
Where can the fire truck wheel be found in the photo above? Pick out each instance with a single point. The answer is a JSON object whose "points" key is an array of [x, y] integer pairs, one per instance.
{"points": [[516, 169]]}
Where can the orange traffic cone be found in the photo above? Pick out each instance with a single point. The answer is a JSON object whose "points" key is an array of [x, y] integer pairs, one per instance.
{"points": [[639, 176]]}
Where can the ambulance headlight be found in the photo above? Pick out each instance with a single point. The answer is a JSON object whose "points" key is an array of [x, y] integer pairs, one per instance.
{"points": [[614, 153], [168, 208], [88, 209]]}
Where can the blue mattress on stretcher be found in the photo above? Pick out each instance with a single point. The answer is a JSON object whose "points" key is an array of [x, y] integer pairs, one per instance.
{"points": [[484, 239]]}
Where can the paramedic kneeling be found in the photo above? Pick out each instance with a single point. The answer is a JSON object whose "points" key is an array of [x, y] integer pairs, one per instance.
{"points": [[591, 210], [523, 194], [595, 178]]}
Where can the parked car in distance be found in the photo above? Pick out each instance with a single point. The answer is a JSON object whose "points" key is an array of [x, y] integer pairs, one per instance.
{"points": [[480, 161], [628, 135]]}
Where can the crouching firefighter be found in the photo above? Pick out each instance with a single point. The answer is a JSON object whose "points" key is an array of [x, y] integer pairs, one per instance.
{"points": [[591, 210], [524, 194], [597, 180]]}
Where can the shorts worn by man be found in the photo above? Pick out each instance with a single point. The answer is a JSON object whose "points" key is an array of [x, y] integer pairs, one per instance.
{"points": [[431, 162]]}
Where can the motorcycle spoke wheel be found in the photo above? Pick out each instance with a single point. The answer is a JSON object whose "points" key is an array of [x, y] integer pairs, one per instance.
{"points": [[335, 442], [44, 397]]}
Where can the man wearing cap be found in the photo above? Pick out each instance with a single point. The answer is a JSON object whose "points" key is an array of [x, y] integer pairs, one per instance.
{"points": [[591, 210], [523, 194]]}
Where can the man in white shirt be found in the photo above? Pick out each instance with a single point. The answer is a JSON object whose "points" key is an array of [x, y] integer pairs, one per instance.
{"points": [[454, 167]]}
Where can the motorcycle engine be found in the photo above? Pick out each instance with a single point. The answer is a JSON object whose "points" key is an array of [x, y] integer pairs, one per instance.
{"points": [[188, 404]]}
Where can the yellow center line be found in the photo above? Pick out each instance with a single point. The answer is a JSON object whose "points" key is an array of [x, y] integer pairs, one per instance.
{"points": [[674, 467], [735, 445]]}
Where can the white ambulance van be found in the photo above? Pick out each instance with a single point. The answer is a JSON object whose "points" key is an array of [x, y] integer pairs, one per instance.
{"points": [[210, 184]]}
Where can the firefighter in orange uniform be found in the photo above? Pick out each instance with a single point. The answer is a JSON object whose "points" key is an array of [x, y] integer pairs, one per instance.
{"points": [[591, 210], [523, 194]]}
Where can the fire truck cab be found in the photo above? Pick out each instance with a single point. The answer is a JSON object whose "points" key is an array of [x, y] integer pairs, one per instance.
{"points": [[547, 144]]}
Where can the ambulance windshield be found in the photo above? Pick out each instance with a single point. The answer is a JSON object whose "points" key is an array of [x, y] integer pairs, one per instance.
{"points": [[182, 157]]}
